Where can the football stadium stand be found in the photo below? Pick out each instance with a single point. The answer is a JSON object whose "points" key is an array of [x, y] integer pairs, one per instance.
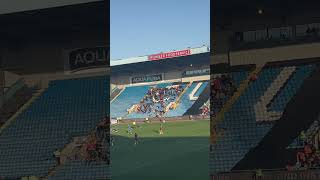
{"points": [[164, 90], [142, 103], [49, 123], [268, 128], [172, 85], [255, 115]]}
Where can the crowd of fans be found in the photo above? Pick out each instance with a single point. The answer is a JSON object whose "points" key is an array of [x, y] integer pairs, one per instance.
{"points": [[222, 89], [156, 100], [205, 110], [98, 144], [95, 147], [308, 156]]}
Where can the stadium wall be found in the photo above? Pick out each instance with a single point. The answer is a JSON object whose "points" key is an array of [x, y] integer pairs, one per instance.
{"points": [[283, 53], [221, 42], [219, 58], [10, 79], [42, 80], [124, 80], [174, 76], [264, 55], [44, 56], [171, 68]]}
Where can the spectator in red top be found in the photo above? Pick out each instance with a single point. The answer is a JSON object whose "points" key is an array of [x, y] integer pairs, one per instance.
{"points": [[253, 78]]}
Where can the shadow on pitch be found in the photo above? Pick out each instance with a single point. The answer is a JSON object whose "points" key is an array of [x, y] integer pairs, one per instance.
{"points": [[160, 157]]}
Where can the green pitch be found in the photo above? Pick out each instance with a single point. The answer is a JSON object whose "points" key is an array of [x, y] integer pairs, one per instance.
{"points": [[181, 153]]}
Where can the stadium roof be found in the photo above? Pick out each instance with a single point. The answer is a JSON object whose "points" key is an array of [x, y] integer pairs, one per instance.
{"points": [[13, 6], [193, 51], [195, 61]]}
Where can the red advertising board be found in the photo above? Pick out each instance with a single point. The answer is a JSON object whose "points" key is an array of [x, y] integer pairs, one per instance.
{"points": [[166, 55]]}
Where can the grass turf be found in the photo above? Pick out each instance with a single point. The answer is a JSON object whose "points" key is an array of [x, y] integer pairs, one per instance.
{"points": [[181, 153]]}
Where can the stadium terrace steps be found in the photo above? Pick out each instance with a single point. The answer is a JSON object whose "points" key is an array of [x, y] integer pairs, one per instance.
{"points": [[299, 114], [23, 108]]}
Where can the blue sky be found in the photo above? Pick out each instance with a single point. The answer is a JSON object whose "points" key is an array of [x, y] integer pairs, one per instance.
{"points": [[143, 27]]}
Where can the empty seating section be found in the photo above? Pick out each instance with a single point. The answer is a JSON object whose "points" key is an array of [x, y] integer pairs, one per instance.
{"points": [[129, 97], [201, 88], [239, 76], [67, 108], [132, 95], [80, 170], [241, 130], [262, 114], [291, 88]]}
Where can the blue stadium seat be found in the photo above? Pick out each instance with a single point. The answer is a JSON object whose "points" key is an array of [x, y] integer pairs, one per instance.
{"points": [[242, 132], [185, 102], [129, 97], [67, 108], [134, 94]]}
